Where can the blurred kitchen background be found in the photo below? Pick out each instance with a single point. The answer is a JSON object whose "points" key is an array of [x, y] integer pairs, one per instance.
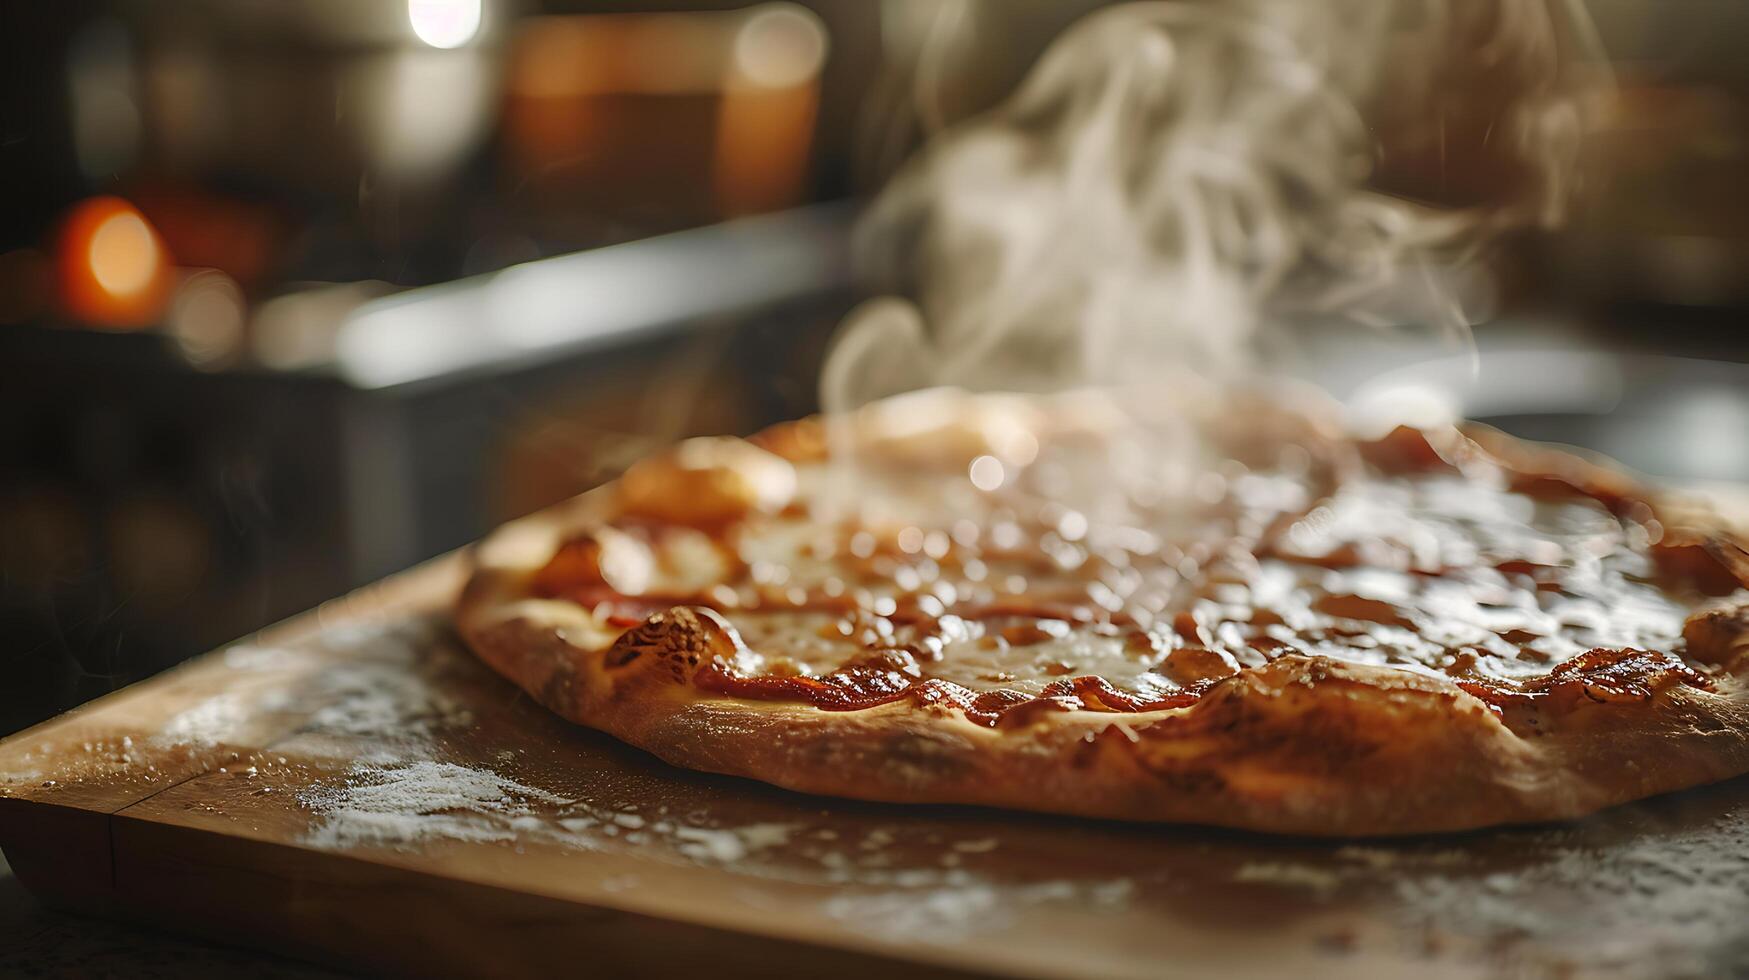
{"points": [[296, 293]]}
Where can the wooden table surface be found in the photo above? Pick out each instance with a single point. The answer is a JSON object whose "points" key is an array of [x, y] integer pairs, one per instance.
{"points": [[352, 787], [37, 941]]}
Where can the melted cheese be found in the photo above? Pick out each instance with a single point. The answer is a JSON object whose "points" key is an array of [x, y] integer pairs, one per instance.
{"points": [[1434, 572]]}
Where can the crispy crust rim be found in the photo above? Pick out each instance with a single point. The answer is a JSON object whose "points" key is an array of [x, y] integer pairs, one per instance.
{"points": [[1302, 745]]}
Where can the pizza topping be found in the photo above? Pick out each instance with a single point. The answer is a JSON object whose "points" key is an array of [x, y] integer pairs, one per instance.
{"points": [[603, 556], [708, 481], [1002, 602], [1188, 666], [1597, 676], [642, 560], [1717, 567], [573, 568], [680, 642], [1719, 634], [877, 679], [939, 426], [1625, 675]]}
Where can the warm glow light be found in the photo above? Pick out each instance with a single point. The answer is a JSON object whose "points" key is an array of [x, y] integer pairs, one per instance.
{"points": [[780, 45], [123, 254], [765, 122], [113, 268], [444, 23]]}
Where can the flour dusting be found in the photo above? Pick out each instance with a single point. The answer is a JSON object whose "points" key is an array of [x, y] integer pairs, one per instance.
{"points": [[1609, 898], [1384, 859], [386, 689], [956, 903], [382, 699], [254, 658], [215, 720], [1669, 896], [1278, 873], [405, 806], [410, 804], [20, 777], [729, 846]]}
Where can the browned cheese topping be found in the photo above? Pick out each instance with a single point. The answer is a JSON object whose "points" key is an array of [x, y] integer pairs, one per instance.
{"points": [[1007, 574]]}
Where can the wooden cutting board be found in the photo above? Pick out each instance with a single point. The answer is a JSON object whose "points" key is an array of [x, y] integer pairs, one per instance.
{"points": [[353, 787]]}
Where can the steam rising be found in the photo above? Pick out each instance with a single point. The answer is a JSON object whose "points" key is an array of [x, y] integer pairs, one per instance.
{"points": [[1174, 178]]}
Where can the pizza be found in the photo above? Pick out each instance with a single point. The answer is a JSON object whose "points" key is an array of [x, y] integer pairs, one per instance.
{"points": [[1250, 617]]}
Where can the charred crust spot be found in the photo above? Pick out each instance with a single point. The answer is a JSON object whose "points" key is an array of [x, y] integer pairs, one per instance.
{"points": [[1627, 671], [678, 642], [1599, 676]]}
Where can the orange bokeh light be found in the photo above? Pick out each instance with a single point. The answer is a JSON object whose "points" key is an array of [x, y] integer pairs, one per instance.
{"points": [[113, 269]]}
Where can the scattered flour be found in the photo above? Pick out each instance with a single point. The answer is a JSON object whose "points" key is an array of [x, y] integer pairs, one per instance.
{"points": [[378, 691], [1277, 873], [249, 657], [1560, 898], [215, 720], [952, 904], [20, 777], [405, 795], [385, 691], [381, 700], [727, 846], [1353, 862], [375, 634], [1678, 897], [420, 802], [411, 804]]}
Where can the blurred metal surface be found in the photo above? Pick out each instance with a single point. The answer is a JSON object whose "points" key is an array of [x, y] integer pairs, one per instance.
{"points": [[566, 304], [1681, 419]]}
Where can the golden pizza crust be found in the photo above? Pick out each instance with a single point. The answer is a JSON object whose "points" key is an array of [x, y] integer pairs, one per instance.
{"points": [[1302, 745]]}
